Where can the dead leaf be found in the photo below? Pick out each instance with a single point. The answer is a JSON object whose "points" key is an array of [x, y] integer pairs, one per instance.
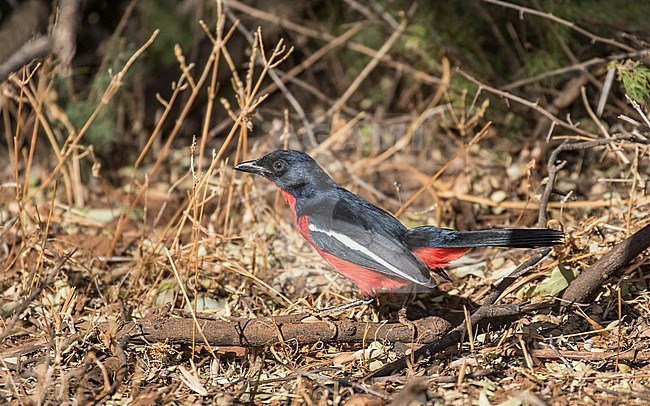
{"points": [[192, 381]]}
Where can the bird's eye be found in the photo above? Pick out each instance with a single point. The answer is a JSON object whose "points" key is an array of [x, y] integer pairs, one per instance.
{"points": [[279, 165]]}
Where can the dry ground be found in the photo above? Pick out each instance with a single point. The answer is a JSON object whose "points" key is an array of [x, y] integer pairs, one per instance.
{"points": [[110, 279]]}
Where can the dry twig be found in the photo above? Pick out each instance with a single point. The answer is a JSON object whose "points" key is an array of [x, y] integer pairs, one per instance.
{"points": [[312, 33], [572, 68], [554, 165], [632, 355]]}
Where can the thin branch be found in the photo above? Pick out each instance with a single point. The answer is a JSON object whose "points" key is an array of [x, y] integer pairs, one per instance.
{"points": [[313, 58], [554, 166], [571, 68], [279, 83], [368, 68], [323, 36], [529, 104], [594, 38]]}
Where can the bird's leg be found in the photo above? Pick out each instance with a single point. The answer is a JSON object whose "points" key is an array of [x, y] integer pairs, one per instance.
{"points": [[401, 315], [335, 309]]}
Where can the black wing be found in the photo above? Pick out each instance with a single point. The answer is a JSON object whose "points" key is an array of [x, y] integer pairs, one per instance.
{"points": [[356, 231]]}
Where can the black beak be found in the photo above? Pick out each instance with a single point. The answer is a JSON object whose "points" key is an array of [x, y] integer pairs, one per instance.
{"points": [[251, 167]]}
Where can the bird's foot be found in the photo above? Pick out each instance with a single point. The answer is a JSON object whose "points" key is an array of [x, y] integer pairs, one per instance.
{"points": [[403, 319]]}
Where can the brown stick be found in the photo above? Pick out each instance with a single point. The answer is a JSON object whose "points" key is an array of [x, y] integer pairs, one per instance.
{"points": [[554, 165], [582, 66], [633, 355], [592, 278], [264, 331]]}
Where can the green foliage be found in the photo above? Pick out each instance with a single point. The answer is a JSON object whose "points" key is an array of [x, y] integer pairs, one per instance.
{"points": [[513, 123], [635, 79], [162, 14], [554, 284], [633, 16], [103, 132], [541, 61], [458, 100], [437, 29], [421, 41]]}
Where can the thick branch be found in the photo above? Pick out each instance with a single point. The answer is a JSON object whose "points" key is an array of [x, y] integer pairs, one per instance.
{"points": [[64, 36], [25, 21], [264, 331], [592, 278], [36, 49], [62, 42]]}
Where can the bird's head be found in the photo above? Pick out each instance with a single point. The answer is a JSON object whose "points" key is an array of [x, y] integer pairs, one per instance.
{"points": [[290, 170]]}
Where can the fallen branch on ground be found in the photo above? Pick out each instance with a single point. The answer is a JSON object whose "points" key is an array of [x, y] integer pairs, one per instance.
{"points": [[264, 331], [486, 311], [592, 278]]}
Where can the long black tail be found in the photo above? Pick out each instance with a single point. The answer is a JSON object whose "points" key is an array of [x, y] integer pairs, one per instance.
{"points": [[434, 237]]}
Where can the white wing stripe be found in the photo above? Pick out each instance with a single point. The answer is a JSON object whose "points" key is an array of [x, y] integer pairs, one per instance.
{"points": [[350, 243]]}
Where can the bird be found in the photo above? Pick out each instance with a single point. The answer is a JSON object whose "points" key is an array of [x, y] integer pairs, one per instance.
{"points": [[366, 244]]}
